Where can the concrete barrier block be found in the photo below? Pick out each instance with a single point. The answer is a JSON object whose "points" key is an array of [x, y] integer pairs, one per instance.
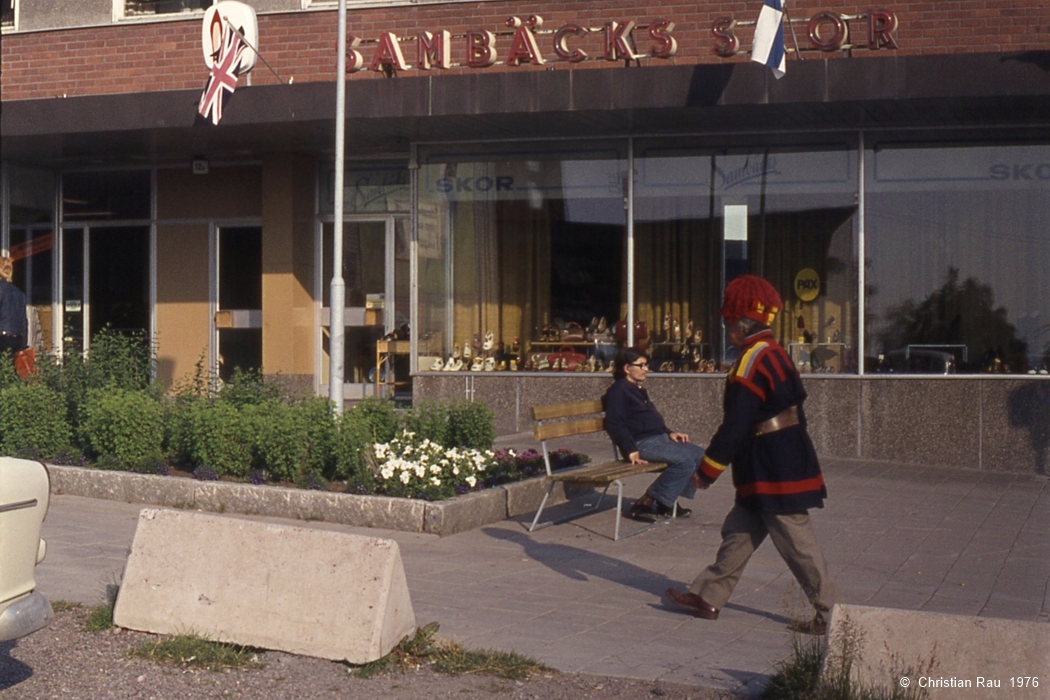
{"points": [[313, 592], [465, 512], [948, 656]]}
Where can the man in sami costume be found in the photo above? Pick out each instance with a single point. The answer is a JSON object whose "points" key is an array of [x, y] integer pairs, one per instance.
{"points": [[775, 469]]}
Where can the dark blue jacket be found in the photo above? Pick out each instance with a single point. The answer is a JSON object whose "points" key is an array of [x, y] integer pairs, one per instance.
{"points": [[630, 416], [12, 310]]}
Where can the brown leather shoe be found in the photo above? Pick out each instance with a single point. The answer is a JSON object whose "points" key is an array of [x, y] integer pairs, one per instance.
{"points": [[818, 626], [691, 601]]}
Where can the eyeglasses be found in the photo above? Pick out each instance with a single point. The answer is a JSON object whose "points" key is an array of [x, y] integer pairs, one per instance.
{"points": [[644, 365]]}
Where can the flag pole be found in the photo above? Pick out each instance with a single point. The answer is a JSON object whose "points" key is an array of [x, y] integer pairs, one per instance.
{"points": [[336, 321]]}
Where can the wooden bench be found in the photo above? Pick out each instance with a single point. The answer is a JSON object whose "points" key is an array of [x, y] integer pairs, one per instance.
{"points": [[581, 418]]}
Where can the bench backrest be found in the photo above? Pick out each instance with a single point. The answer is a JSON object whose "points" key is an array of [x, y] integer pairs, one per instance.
{"points": [[549, 424]]}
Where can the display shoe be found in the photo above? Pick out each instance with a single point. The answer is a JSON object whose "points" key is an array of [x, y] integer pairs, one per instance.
{"points": [[689, 332], [667, 326], [450, 366], [476, 365], [455, 352], [458, 366], [437, 365], [698, 336], [677, 331], [467, 351], [513, 365], [490, 364], [490, 340], [477, 342], [591, 364], [543, 364], [515, 346], [502, 366], [691, 601], [602, 325]]}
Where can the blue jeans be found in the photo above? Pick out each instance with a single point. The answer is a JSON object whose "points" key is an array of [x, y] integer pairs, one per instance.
{"points": [[682, 460]]}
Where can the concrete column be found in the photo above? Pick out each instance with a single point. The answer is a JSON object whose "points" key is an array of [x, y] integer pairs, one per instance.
{"points": [[288, 261]]}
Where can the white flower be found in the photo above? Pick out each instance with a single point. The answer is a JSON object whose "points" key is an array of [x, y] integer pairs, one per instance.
{"points": [[435, 469], [435, 481], [420, 471], [388, 471], [455, 471], [471, 481], [405, 477]]}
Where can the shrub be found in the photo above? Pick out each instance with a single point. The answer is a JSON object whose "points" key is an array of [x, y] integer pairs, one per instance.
{"points": [[249, 388], [209, 433], [123, 429], [428, 420], [279, 439], [471, 424], [319, 417], [115, 361], [32, 416], [353, 436], [380, 416]]}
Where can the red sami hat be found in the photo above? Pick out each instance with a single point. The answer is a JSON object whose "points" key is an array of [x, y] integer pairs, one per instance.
{"points": [[751, 297]]}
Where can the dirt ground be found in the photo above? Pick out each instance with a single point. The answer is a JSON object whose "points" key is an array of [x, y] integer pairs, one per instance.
{"points": [[64, 661]]}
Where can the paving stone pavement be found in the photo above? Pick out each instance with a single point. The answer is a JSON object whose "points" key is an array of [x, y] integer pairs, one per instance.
{"points": [[939, 540]]}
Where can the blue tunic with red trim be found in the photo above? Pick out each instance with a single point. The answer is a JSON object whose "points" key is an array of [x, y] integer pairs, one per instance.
{"points": [[776, 472]]}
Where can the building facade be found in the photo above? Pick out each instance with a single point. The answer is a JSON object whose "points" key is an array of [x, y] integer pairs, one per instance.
{"points": [[528, 185]]}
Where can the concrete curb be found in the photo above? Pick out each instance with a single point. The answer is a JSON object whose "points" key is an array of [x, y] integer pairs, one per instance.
{"points": [[404, 514]]}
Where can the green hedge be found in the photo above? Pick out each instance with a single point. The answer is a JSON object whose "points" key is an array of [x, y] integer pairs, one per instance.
{"points": [[33, 421], [123, 429]]}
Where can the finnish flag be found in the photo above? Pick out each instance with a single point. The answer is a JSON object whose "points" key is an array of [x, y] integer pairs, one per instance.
{"points": [[768, 47]]}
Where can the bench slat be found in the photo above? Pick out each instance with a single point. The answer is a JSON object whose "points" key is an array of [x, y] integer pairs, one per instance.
{"points": [[570, 427], [564, 410], [606, 472]]}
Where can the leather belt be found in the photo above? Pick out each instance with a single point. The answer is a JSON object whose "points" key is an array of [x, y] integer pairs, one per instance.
{"points": [[785, 419]]}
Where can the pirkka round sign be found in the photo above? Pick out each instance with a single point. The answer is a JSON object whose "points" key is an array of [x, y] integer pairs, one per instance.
{"points": [[807, 284]]}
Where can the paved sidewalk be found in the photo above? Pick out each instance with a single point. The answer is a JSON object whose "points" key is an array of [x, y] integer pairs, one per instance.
{"points": [[939, 540]]}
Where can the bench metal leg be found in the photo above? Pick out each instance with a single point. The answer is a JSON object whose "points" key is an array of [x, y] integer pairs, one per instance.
{"points": [[536, 525]]}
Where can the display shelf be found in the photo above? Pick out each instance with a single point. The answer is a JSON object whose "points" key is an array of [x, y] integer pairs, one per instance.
{"points": [[386, 381]]}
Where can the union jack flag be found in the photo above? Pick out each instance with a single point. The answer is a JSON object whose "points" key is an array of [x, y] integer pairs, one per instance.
{"points": [[223, 79]]}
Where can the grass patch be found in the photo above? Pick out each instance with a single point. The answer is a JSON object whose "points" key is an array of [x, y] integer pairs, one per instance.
{"points": [[100, 618], [187, 650], [61, 606], [800, 678], [448, 657]]}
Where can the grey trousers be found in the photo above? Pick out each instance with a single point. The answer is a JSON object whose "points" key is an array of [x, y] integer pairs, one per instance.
{"points": [[792, 534]]}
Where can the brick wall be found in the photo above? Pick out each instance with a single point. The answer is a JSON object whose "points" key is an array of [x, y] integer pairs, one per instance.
{"points": [[166, 55]]}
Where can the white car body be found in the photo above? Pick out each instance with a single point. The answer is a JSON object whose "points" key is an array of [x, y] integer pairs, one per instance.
{"points": [[25, 492]]}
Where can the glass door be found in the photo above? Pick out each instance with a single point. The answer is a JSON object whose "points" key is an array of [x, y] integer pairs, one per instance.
{"points": [[376, 276], [105, 283], [238, 312]]}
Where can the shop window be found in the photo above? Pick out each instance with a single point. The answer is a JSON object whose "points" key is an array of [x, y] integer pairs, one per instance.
{"points": [[704, 216], [521, 255], [134, 8], [7, 13], [106, 195], [958, 258]]}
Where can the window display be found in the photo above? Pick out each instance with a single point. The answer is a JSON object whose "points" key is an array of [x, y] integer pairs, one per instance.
{"points": [[957, 251]]}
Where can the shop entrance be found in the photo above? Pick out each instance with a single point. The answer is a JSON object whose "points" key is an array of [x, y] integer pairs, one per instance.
{"points": [[376, 275], [238, 312], [104, 283]]}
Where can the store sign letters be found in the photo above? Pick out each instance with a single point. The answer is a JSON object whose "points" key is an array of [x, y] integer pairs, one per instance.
{"points": [[530, 44], [826, 31], [434, 50]]}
